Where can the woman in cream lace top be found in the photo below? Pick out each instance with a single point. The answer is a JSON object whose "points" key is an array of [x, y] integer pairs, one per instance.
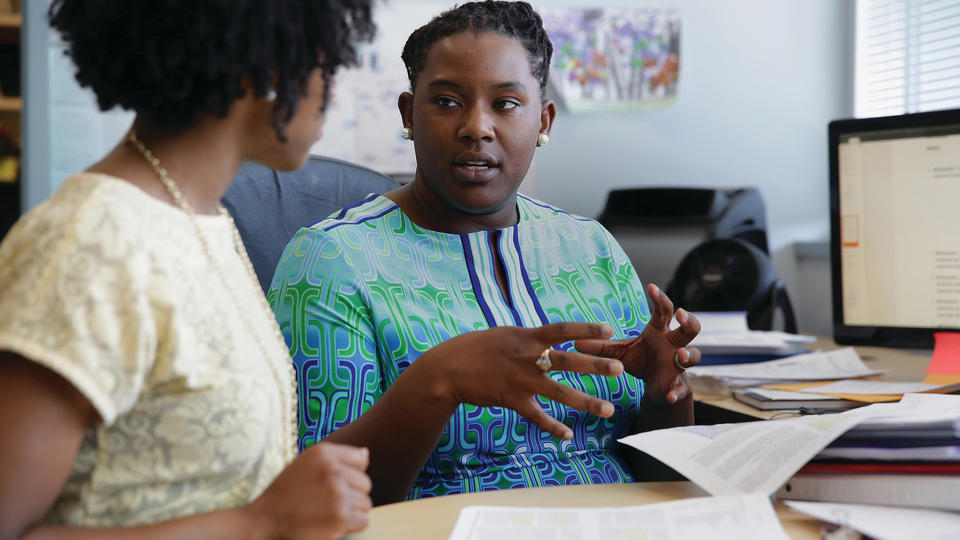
{"points": [[143, 380]]}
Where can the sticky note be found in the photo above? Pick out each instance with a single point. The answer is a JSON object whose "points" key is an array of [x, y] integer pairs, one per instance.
{"points": [[946, 353]]}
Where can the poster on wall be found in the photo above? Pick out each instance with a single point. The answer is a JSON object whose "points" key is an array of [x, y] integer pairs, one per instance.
{"points": [[613, 59]]}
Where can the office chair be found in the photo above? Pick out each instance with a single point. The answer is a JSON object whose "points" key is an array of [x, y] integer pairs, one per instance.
{"points": [[269, 206]]}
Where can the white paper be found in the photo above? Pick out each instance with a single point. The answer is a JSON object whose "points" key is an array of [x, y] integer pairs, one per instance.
{"points": [[721, 321], [749, 457], [731, 517], [870, 388], [885, 522], [758, 457], [726, 332], [813, 366], [914, 412]]}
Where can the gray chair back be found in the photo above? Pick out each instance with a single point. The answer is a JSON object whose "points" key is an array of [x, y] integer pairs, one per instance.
{"points": [[269, 206]]}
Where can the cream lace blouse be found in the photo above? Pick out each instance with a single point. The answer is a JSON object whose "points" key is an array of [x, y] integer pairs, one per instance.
{"points": [[110, 288]]}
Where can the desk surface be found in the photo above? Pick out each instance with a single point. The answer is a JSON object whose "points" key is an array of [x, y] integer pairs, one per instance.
{"points": [[900, 365], [434, 518]]}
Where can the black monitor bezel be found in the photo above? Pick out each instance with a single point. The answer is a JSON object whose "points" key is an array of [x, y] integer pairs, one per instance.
{"points": [[886, 336]]}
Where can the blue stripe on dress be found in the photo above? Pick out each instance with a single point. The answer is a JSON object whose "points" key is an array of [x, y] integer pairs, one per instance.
{"points": [[483, 260], [522, 305], [534, 301], [475, 281]]}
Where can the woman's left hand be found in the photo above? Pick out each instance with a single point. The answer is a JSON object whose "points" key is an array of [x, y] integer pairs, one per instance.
{"points": [[653, 355]]}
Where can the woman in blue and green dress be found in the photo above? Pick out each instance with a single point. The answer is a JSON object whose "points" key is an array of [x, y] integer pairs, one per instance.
{"points": [[459, 330]]}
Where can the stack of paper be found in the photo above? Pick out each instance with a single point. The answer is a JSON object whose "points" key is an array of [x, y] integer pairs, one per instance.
{"points": [[814, 366], [763, 457], [725, 338], [891, 459]]}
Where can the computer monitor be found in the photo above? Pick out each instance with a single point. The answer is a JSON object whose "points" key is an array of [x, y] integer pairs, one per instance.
{"points": [[895, 228]]}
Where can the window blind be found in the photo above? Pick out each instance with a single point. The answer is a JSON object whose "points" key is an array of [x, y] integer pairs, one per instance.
{"points": [[907, 56]]}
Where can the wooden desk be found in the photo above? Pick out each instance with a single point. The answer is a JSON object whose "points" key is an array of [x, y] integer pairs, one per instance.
{"points": [[434, 518], [901, 365]]}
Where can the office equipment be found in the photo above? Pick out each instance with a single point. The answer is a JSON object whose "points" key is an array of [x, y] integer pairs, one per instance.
{"points": [[894, 183], [729, 274], [657, 226]]}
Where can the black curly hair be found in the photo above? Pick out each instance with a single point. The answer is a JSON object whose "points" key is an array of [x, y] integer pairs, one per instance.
{"points": [[171, 61], [512, 19]]}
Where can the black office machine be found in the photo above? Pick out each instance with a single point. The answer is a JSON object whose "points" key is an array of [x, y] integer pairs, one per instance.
{"points": [[708, 247]]}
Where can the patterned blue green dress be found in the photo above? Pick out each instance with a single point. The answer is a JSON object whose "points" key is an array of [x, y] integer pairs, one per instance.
{"points": [[360, 295]]}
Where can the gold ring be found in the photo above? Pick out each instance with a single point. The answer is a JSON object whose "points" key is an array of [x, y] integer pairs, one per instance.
{"points": [[676, 362], [543, 362]]}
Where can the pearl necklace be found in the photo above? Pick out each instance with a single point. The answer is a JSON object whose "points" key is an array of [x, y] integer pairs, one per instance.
{"points": [[289, 412]]}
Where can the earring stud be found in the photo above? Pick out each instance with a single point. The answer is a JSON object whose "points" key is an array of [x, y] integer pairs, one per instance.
{"points": [[406, 133], [271, 95], [543, 139]]}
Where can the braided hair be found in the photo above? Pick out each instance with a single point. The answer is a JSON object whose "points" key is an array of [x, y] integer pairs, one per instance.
{"points": [[171, 61], [512, 19]]}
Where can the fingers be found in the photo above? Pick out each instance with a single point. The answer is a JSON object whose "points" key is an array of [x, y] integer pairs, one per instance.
{"points": [[583, 363], [551, 334], [577, 399], [688, 329], [602, 347], [688, 357], [661, 309], [356, 512], [532, 410], [679, 390], [352, 456]]}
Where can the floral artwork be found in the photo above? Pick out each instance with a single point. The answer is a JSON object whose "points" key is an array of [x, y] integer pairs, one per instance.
{"points": [[613, 59]]}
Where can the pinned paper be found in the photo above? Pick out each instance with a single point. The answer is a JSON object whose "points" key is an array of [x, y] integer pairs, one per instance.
{"points": [[946, 353]]}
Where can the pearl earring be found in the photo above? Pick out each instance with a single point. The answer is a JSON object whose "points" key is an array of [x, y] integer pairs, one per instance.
{"points": [[543, 139], [271, 95], [407, 133]]}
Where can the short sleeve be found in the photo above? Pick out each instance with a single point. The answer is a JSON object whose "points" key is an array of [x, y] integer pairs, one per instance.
{"points": [[320, 304], [72, 282]]}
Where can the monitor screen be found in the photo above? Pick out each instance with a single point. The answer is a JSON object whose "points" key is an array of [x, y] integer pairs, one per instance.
{"points": [[895, 228]]}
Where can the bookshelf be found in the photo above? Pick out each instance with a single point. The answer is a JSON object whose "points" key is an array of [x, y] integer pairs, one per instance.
{"points": [[11, 111]]}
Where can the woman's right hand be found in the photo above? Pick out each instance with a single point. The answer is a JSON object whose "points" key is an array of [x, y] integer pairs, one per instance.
{"points": [[497, 367], [324, 493]]}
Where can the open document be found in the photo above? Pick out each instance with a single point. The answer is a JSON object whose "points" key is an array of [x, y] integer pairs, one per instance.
{"points": [[735, 517], [759, 457], [813, 366]]}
